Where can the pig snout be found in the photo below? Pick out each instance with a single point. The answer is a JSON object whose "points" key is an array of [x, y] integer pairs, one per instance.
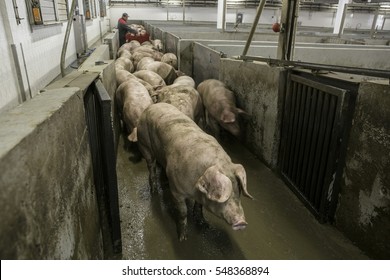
{"points": [[239, 225]]}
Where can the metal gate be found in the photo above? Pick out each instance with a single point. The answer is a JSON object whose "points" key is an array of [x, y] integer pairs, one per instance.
{"points": [[313, 133], [97, 104]]}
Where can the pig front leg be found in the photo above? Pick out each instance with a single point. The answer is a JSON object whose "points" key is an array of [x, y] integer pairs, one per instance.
{"points": [[198, 214], [181, 208]]}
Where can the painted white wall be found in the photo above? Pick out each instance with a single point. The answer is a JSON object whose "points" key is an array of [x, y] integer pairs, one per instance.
{"points": [[324, 19], [39, 51], [9, 93]]}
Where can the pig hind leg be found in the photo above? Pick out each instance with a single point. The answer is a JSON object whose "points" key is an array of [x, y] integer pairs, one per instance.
{"points": [[152, 167]]}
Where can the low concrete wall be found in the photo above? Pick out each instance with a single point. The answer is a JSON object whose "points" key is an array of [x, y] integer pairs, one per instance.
{"points": [[363, 212], [49, 205], [256, 87], [205, 63], [112, 41]]}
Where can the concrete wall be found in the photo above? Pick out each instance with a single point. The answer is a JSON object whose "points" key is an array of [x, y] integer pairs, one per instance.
{"points": [[363, 212], [256, 86], [49, 206]]}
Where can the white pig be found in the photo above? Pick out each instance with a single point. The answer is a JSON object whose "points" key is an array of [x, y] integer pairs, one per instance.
{"points": [[183, 97], [220, 107], [197, 167], [132, 99]]}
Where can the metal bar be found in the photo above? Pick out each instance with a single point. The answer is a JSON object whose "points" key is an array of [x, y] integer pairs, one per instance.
{"points": [[324, 166], [109, 164], [322, 116], [295, 120], [25, 68], [300, 132], [317, 66], [374, 21], [254, 26], [303, 149], [288, 128]]}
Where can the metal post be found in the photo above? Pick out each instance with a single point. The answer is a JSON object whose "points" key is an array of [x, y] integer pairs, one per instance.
{"points": [[373, 27], [288, 30], [292, 30], [254, 26], [224, 17], [341, 29], [184, 11]]}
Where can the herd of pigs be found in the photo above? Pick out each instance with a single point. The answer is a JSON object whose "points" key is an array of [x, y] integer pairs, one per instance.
{"points": [[167, 116]]}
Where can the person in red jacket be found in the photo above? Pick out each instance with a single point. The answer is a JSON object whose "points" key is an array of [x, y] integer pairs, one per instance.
{"points": [[124, 28]]}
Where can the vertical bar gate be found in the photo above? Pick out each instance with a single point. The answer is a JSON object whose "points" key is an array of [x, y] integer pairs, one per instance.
{"points": [[312, 130], [97, 104]]}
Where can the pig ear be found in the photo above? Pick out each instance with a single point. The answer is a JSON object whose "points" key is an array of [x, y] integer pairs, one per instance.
{"points": [[240, 173], [215, 185], [228, 117], [243, 114]]}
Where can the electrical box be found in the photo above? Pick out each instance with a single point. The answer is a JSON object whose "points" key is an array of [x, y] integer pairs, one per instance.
{"points": [[239, 17]]}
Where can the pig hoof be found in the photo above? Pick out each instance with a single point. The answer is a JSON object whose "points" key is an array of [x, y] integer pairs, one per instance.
{"points": [[182, 234]]}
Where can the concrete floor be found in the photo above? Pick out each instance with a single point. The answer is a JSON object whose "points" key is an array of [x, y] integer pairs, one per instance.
{"points": [[280, 227]]}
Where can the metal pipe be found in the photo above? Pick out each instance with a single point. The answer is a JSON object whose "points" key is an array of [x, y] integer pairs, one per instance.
{"points": [[25, 67], [325, 67], [19, 74], [66, 38], [254, 26]]}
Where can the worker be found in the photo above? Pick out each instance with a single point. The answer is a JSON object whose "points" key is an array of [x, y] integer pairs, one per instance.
{"points": [[124, 28]]}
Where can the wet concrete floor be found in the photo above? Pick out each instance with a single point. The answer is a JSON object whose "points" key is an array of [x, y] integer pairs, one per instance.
{"points": [[280, 227]]}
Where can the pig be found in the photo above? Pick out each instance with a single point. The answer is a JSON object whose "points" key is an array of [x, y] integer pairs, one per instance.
{"points": [[138, 55], [123, 76], [220, 107], [151, 77], [124, 53], [166, 71], [183, 97], [157, 45], [132, 98], [124, 63], [130, 46], [184, 80], [197, 167], [144, 61], [170, 58]]}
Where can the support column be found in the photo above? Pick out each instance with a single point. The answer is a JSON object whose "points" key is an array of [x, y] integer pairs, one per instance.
{"points": [[221, 15], [340, 17], [288, 28]]}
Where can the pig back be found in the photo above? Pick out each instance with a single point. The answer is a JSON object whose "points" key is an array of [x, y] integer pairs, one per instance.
{"points": [[179, 145]]}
